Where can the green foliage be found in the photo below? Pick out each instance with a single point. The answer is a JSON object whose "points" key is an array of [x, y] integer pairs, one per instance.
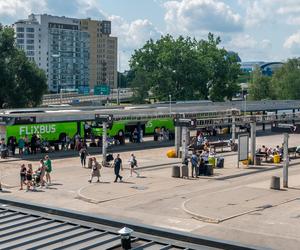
{"points": [[260, 86], [22, 82], [184, 68], [286, 81]]}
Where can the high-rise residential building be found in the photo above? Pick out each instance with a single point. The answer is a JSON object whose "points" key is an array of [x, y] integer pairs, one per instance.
{"points": [[58, 46], [103, 52]]}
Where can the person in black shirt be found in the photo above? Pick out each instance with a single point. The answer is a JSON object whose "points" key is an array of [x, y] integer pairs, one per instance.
{"points": [[22, 176], [118, 167]]}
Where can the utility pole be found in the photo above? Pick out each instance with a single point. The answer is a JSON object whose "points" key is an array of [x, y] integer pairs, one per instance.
{"points": [[104, 142], [285, 159]]}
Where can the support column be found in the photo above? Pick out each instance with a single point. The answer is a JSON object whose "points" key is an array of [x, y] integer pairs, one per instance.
{"points": [[253, 142], [188, 136], [264, 125], [104, 142], [285, 159], [233, 130], [184, 143], [177, 140]]}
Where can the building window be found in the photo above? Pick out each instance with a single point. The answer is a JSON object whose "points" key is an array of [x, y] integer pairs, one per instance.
{"points": [[20, 35], [30, 41], [30, 53], [30, 47], [20, 29], [20, 41], [29, 35], [29, 29]]}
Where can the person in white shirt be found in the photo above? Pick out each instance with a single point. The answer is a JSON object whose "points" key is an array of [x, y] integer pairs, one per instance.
{"points": [[133, 163]]}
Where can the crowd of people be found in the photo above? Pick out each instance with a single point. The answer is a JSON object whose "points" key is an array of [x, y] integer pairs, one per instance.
{"points": [[41, 177], [270, 152]]}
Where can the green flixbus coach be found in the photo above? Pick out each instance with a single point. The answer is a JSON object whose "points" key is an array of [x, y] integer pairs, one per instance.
{"points": [[54, 126]]}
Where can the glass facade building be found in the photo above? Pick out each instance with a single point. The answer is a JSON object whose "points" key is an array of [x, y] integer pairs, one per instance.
{"points": [[69, 57]]}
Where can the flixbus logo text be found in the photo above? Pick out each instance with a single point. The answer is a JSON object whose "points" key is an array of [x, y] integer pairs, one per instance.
{"points": [[38, 129]]}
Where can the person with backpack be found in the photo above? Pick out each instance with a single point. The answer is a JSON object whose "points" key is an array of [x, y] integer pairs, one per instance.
{"points": [[133, 163], [194, 162], [22, 176], [95, 170]]}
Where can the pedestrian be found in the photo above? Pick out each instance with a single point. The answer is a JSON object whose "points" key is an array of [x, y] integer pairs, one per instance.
{"points": [[48, 170], [22, 176], [29, 173], [135, 136], [42, 170], [194, 162], [21, 145], [118, 167], [95, 170], [133, 163], [83, 153]]}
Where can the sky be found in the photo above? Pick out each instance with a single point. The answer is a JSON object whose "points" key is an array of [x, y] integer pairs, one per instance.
{"points": [[258, 30]]}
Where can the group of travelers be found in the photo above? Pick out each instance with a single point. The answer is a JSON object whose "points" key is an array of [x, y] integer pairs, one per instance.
{"points": [[117, 165], [162, 134], [270, 152], [33, 179], [199, 162]]}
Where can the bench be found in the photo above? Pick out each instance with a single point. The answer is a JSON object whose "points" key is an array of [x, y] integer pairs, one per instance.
{"points": [[292, 150], [221, 144]]}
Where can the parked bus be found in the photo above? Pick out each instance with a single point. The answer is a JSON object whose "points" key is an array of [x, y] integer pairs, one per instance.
{"points": [[53, 126]]}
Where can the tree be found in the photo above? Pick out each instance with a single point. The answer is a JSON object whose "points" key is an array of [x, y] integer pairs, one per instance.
{"points": [[260, 86], [22, 82], [286, 81], [184, 68]]}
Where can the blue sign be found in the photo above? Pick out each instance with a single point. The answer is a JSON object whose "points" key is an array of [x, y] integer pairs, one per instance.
{"points": [[84, 90]]}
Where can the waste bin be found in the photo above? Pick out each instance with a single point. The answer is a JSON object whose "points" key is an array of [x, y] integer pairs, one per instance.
{"points": [[209, 170], [220, 162], [176, 171], [212, 161], [275, 183], [276, 159], [184, 171], [258, 161]]}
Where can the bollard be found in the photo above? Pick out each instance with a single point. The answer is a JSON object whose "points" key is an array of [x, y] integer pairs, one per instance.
{"points": [[275, 183], [176, 171], [125, 233]]}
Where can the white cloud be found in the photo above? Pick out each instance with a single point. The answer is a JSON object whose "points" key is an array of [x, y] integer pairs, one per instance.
{"points": [[132, 35], [260, 11], [250, 48], [91, 8], [21, 8], [293, 42], [196, 16]]}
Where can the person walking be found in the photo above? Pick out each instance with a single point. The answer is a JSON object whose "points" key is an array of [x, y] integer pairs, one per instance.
{"points": [[83, 153], [48, 170], [29, 174], [118, 167], [95, 170], [22, 176], [42, 170], [133, 163], [194, 161]]}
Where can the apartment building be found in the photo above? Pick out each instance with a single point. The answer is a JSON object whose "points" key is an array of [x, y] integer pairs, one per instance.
{"points": [[103, 52], [58, 46]]}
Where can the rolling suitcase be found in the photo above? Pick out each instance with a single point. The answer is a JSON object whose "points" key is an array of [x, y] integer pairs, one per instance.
{"points": [[184, 171]]}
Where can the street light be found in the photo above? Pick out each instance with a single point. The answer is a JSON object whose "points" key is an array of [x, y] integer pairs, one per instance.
{"points": [[245, 100], [170, 103]]}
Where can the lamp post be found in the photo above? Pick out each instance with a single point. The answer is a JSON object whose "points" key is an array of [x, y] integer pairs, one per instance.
{"points": [[170, 103]]}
